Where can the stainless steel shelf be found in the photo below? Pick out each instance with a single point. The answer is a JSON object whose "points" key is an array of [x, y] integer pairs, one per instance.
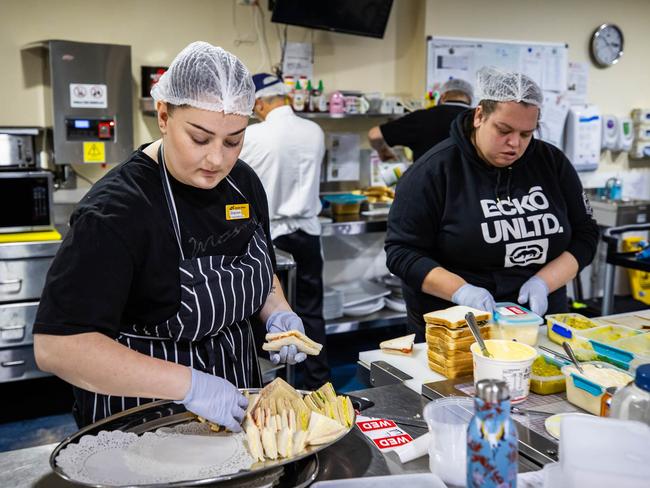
{"points": [[327, 115], [383, 318], [354, 225]]}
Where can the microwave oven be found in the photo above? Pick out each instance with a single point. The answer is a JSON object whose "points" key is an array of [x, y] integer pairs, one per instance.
{"points": [[26, 201]]}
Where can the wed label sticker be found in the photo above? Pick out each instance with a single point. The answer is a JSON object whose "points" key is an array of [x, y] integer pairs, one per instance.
{"points": [[383, 433]]}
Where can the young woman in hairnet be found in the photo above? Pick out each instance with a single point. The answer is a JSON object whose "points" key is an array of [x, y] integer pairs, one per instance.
{"points": [[491, 214], [167, 261]]}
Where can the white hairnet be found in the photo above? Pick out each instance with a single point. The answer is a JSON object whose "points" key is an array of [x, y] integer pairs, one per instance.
{"points": [[506, 86], [209, 78], [456, 84]]}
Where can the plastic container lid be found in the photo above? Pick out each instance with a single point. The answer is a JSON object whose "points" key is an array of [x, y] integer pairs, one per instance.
{"points": [[345, 198], [508, 313], [642, 379]]}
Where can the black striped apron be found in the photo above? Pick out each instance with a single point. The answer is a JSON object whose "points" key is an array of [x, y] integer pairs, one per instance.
{"points": [[211, 331]]}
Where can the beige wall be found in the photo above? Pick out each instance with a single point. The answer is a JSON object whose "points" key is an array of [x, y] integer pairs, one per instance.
{"points": [[158, 29], [616, 90]]}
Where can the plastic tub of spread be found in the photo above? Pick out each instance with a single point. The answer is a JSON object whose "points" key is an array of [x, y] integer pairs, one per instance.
{"points": [[515, 323], [345, 204], [566, 326], [586, 390], [609, 334], [626, 353], [546, 376], [510, 362]]}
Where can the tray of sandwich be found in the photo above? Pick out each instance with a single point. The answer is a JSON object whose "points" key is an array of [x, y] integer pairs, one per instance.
{"points": [[162, 444]]}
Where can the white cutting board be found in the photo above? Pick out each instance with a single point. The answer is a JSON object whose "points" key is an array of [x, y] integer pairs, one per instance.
{"points": [[415, 365]]}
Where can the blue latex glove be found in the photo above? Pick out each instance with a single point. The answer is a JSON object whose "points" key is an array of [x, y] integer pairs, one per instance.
{"points": [[474, 296], [216, 400], [281, 322], [535, 293]]}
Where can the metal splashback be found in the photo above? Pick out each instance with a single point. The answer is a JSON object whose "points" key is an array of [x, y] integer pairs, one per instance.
{"points": [[88, 100]]}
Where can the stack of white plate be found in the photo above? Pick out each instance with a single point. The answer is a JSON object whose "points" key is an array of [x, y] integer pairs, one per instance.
{"points": [[332, 303], [362, 297], [395, 301]]}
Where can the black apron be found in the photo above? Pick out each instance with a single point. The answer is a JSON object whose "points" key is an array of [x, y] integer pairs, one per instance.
{"points": [[211, 331]]}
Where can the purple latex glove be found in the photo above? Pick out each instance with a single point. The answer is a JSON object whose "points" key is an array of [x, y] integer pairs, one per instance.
{"points": [[282, 322], [535, 293], [216, 400], [475, 297]]}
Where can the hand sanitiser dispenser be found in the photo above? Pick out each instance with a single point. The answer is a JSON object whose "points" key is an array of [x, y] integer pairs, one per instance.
{"points": [[609, 133], [583, 135]]}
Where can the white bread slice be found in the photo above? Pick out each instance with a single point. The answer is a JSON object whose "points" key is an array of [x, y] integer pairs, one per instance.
{"points": [[323, 429], [299, 442], [454, 317], [275, 341], [400, 345], [254, 440], [269, 443], [285, 443]]}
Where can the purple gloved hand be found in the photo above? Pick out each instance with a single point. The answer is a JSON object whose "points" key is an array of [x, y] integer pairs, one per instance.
{"points": [[284, 321], [215, 399], [535, 293], [475, 297]]}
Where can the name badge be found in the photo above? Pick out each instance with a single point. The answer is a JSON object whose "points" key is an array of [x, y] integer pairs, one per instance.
{"points": [[237, 212]]}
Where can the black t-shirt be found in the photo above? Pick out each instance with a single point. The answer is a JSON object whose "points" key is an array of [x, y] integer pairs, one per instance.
{"points": [[118, 264], [422, 129]]}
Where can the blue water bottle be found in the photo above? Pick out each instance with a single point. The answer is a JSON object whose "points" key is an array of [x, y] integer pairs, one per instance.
{"points": [[492, 438]]}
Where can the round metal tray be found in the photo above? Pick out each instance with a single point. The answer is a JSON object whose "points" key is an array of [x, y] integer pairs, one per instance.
{"points": [[166, 413]]}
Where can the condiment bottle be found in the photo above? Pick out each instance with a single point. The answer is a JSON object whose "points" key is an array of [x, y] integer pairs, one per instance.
{"points": [[633, 401], [492, 438], [312, 95], [322, 100], [337, 103], [298, 98]]}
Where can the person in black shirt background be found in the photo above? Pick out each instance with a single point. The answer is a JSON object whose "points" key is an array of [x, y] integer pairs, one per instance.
{"points": [[490, 214], [168, 263], [423, 129]]}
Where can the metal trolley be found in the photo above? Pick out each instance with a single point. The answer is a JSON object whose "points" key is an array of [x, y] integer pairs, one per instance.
{"points": [[614, 258]]}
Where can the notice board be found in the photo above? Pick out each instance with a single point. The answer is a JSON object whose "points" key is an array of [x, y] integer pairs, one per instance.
{"points": [[458, 57], [546, 63]]}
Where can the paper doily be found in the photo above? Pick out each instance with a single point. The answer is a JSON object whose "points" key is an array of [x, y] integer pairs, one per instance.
{"points": [[182, 453]]}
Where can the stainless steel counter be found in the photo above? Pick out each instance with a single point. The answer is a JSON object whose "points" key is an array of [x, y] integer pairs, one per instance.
{"points": [[353, 456]]}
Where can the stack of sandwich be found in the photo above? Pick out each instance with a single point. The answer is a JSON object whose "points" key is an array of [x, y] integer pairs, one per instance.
{"points": [[449, 339], [281, 423]]}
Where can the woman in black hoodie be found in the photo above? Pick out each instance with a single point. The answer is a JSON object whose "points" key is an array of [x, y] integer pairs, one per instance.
{"points": [[490, 214]]}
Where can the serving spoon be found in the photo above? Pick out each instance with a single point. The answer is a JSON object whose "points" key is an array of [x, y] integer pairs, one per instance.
{"points": [[473, 327]]}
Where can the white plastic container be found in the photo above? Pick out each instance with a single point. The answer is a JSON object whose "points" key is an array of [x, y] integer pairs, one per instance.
{"points": [[417, 480], [515, 323], [586, 392], [511, 362], [597, 452], [448, 419]]}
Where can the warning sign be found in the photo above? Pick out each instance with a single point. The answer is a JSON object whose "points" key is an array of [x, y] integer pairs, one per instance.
{"points": [[88, 96], [94, 152]]}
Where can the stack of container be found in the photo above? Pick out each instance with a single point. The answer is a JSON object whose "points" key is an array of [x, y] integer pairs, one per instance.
{"points": [[641, 146], [448, 344]]}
